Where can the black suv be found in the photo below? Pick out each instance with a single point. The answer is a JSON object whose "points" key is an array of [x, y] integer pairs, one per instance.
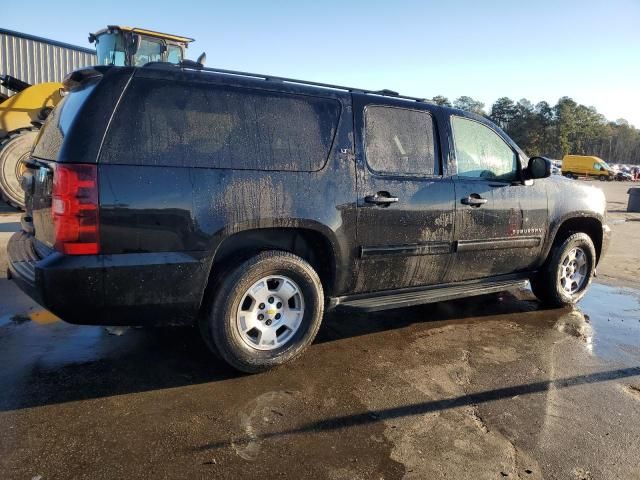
{"points": [[249, 204]]}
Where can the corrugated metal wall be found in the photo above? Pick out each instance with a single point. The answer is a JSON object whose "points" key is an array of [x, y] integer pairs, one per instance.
{"points": [[37, 60]]}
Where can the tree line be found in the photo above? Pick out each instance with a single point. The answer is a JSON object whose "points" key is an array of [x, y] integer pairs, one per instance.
{"points": [[554, 131]]}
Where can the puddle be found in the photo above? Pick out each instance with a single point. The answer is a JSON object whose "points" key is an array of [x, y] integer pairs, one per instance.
{"points": [[13, 319], [613, 314], [607, 321], [41, 316]]}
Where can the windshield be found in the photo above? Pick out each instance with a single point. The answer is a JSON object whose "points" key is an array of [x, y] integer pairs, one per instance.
{"points": [[110, 49], [148, 51], [605, 165]]}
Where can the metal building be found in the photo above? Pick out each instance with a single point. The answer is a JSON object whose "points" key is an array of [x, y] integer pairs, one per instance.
{"points": [[36, 60]]}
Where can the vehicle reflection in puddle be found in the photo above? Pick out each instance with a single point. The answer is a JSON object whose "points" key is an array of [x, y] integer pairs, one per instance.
{"points": [[43, 317], [578, 325], [607, 321], [613, 314]]}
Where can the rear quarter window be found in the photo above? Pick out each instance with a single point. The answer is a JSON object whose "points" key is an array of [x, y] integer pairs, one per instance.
{"points": [[399, 141], [59, 123], [169, 123]]}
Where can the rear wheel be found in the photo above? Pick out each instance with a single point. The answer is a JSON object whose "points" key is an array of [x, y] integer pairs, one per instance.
{"points": [[603, 178], [567, 273], [264, 312], [14, 151]]}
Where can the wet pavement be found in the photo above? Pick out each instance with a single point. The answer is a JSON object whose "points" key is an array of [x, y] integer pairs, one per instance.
{"points": [[489, 387]]}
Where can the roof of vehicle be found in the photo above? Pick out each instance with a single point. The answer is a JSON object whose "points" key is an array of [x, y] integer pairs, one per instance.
{"points": [[191, 72], [591, 157], [199, 73], [144, 31]]}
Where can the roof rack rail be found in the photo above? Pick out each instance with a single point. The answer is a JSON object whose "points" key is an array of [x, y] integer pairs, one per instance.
{"points": [[271, 78]]}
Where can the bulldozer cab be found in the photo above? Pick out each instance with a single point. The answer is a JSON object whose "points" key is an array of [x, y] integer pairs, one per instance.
{"points": [[126, 46]]}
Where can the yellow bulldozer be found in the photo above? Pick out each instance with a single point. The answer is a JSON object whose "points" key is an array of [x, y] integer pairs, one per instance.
{"points": [[22, 114]]}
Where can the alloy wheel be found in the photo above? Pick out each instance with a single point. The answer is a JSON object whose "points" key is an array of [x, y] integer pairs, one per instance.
{"points": [[573, 271], [270, 312]]}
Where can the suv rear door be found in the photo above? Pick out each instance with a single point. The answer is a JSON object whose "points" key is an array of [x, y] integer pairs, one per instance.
{"points": [[501, 222], [405, 242]]}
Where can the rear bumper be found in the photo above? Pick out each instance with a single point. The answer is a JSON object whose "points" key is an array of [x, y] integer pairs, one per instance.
{"points": [[22, 260], [126, 289]]}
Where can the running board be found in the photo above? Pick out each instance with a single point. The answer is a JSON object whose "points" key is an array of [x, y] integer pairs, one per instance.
{"points": [[401, 299]]}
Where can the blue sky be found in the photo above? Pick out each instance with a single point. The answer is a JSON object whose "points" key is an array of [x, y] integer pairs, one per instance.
{"points": [[542, 50]]}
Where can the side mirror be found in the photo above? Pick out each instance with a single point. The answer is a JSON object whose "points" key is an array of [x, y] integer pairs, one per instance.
{"points": [[197, 65], [538, 167]]}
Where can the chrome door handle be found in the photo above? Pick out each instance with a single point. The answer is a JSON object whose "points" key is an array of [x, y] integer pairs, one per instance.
{"points": [[473, 201], [378, 199]]}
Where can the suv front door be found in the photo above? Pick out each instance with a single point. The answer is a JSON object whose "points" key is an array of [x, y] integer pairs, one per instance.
{"points": [[405, 206], [501, 222]]}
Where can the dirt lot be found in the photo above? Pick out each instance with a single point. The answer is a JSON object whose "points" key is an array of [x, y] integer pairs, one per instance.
{"points": [[492, 387], [622, 263]]}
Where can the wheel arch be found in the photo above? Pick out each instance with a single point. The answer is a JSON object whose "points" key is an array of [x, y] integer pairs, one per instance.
{"points": [[591, 225], [311, 244]]}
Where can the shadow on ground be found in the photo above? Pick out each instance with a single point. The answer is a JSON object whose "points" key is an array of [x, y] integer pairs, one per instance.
{"points": [[58, 362]]}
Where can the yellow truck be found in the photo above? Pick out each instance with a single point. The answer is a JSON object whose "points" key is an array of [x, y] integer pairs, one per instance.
{"points": [[574, 166]]}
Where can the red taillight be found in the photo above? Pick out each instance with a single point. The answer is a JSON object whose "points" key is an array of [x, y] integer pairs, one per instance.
{"points": [[74, 206]]}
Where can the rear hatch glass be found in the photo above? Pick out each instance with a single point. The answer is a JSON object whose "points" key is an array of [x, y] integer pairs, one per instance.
{"points": [[41, 166]]}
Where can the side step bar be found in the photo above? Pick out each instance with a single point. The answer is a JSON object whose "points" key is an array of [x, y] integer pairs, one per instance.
{"points": [[401, 299]]}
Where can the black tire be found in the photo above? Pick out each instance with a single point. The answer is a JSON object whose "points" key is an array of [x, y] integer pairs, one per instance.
{"points": [[14, 149], [546, 284], [570, 175], [219, 327], [603, 178]]}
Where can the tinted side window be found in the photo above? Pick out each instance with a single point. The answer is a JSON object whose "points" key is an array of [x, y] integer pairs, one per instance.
{"points": [[399, 140], [197, 125], [480, 152]]}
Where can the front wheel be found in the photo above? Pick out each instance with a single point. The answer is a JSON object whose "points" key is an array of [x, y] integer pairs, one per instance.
{"points": [[264, 312], [603, 178], [567, 273]]}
